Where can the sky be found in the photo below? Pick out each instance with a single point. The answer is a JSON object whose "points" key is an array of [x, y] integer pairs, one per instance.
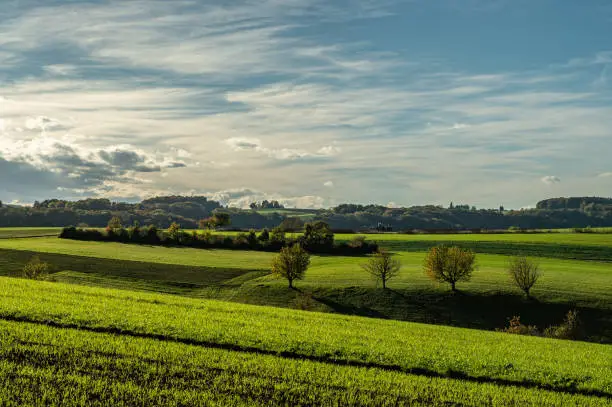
{"points": [[310, 102]]}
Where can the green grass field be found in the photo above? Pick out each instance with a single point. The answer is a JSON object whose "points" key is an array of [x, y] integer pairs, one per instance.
{"points": [[192, 342], [565, 278], [332, 284], [11, 233], [164, 339], [586, 239], [68, 367]]}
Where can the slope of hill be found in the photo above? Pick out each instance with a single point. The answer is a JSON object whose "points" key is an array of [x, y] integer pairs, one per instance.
{"points": [[56, 337]]}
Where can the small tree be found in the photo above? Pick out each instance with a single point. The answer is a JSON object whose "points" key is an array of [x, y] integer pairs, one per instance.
{"points": [[221, 219], [524, 272], [264, 236], [450, 264], [291, 224], [278, 236], [215, 221], [382, 266], [36, 269], [252, 239], [115, 223], [291, 263], [174, 231]]}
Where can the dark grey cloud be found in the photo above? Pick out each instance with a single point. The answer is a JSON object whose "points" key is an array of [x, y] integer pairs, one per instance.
{"points": [[23, 181]]}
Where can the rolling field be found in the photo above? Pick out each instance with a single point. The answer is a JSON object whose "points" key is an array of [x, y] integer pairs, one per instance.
{"points": [[142, 325], [565, 278], [332, 284], [68, 341]]}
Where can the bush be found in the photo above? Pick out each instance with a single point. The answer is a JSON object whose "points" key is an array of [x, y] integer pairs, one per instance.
{"points": [[174, 232], [450, 264], [571, 328], [264, 236], [524, 272], [304, 301], [252, 239], [516, 327], [36, 269], [291, 263], [357, 242], [114, 223]]}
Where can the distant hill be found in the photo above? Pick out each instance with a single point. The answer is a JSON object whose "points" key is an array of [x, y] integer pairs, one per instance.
{"points": [[582, 203], [572, 212]]}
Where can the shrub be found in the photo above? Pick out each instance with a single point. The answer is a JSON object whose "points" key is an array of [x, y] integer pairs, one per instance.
{"points": [[571, 328], [450, 264], [134, 233], [304, 301], [174, 231], [382, 267], [291, 263], [516, 327], [291, 224], [114, 223], [252, 239], [241, 241], [264, 236], [357, 242], [278, 237], [36, 269], [524, 272], [318, 237]]}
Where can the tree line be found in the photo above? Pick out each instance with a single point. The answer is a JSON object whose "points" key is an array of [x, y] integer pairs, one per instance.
{"points": [[189, 210], [316, 238]]}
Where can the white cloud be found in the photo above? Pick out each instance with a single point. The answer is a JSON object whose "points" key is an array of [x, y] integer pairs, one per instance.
{"points": [[243, 197], [253, 144], [605, 175], [328, 184], [551, 179], [61, 69]]}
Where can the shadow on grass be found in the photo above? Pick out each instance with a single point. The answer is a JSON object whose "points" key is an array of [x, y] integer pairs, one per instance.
{"points": [[462, 309]]}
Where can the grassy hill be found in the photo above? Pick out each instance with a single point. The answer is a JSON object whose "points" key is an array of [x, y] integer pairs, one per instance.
{"points": [[70, 344]]}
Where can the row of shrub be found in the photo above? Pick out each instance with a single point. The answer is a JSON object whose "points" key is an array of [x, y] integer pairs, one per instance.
{"points": [[571, 328], [265, 240]]}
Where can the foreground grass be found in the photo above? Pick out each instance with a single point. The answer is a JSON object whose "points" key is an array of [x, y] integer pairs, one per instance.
{"points": [[53, 366], [473, 356]]}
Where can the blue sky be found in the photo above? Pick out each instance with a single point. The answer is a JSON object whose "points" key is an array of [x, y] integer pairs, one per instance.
{"points": [[310, 102]]}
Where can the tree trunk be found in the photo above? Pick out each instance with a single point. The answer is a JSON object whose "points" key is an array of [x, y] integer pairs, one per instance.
{"points": [[290, 283], [453, 286], [384, 283]]}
